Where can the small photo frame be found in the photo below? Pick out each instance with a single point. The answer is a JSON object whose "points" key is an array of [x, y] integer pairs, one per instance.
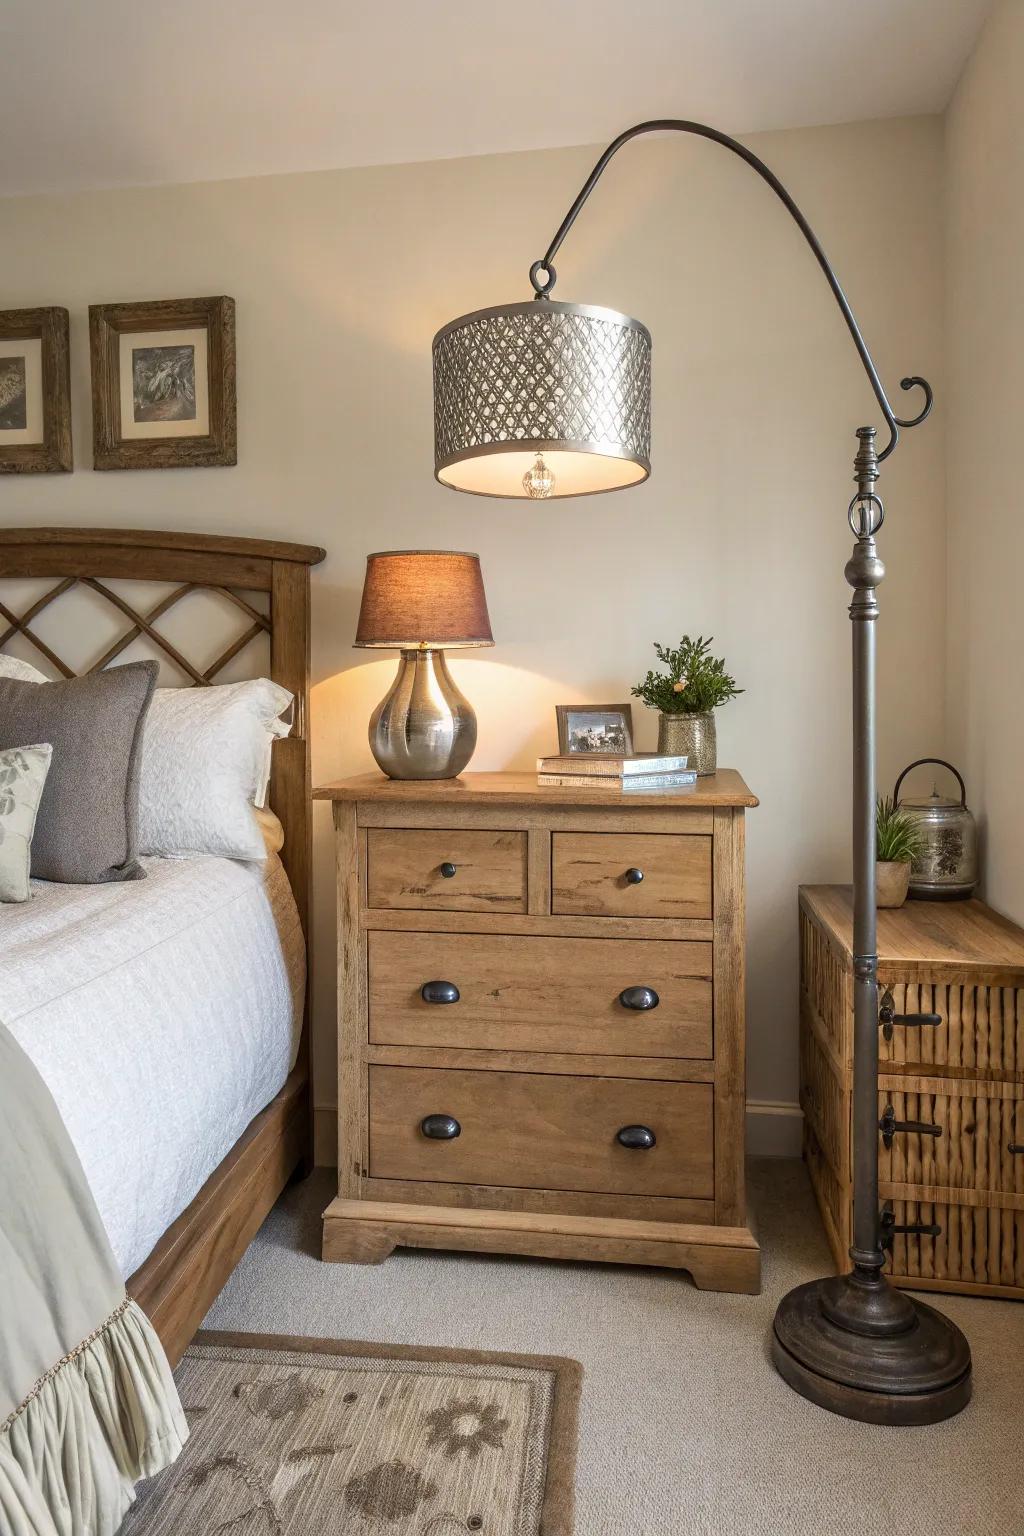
{"points": [[595, 730], [35, 392], [163, 384]]}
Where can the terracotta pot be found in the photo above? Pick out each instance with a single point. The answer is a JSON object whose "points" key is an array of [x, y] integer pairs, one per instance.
{"points": [[891, 883]]}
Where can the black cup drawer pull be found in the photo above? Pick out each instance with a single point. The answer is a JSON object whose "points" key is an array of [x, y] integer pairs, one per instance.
{"points": [[633, 876], [639, 998], [441, 1127], [439, 992], [637, 1137], [449, 870]]}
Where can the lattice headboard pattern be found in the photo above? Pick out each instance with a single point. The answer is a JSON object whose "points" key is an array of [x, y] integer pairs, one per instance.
{"points": [[263, 585]]}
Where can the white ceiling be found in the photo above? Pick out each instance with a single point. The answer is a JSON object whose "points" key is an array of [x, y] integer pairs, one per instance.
{"points": [[97, 93]]}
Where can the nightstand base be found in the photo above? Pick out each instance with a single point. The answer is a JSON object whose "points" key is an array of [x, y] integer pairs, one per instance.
{"points": [[717, 1258]]}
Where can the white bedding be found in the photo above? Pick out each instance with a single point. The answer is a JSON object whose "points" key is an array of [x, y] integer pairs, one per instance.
{"points": [[163, 1014]]}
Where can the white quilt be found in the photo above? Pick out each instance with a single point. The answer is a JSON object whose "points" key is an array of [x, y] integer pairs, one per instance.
{"points": [[163, 1014]]}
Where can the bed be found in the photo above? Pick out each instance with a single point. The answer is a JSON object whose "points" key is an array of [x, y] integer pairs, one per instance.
{"points": [[169, 1017]]}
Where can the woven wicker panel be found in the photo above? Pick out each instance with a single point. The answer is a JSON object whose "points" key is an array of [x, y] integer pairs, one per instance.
{"points": [[823, 1100], [982, 1030], [978, 1245], [829, 988], [973, 1152], [540, 372], [833, 1199]]}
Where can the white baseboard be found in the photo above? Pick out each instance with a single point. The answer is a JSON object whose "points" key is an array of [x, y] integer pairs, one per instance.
{"points": [[774, 1129]]}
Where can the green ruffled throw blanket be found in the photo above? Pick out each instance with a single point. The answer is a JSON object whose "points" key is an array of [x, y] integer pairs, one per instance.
{"points": [[88, 1405]]}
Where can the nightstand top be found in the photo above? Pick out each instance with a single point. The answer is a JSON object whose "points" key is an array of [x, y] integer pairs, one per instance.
{"points": [[724, 788]]}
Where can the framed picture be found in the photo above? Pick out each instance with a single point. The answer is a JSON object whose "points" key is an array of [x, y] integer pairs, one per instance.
{"points": [[163, 384], [35, 392], [595, 729]]}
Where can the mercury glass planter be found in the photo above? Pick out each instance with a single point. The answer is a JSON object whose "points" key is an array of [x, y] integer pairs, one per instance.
{"points": [[693, 734]]}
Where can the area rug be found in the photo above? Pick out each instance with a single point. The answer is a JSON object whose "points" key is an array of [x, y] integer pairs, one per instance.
{"points": [[320, 1437]]}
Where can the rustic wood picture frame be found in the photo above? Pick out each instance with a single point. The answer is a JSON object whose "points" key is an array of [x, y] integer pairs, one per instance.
{"points": [[563, 711], [107, 323], [54, 454]]}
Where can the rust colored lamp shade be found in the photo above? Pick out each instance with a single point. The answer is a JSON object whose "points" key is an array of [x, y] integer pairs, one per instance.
{"points": [[423, 597], [418, 601]]}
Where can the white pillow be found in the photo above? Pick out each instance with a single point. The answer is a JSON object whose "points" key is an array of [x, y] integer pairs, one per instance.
{"points": [[10, 666], [23, 773], [205, 764]]}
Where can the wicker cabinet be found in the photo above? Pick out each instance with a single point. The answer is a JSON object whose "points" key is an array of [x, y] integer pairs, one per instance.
{"points": [[961, 1176], [541, 1022]]}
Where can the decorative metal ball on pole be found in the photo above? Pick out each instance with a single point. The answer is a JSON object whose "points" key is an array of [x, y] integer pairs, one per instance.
{"points": [[545, 399]]}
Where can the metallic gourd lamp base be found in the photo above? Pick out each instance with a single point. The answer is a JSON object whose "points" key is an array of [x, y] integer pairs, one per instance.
{"points": [[423, 728]]}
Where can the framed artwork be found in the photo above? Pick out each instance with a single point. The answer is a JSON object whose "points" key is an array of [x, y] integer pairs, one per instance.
{"points": [[163, 384], [35, 392], [595, 729]]}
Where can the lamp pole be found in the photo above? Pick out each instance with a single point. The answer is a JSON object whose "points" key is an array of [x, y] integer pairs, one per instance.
{"points": [[851, 1343]]}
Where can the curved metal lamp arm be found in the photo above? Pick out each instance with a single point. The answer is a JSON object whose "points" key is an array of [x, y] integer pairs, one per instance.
{"points": [[681, 125]]}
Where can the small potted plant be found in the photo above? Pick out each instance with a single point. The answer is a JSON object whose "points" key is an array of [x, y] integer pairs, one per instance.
{"points": [[687, 694], [897, 844]]}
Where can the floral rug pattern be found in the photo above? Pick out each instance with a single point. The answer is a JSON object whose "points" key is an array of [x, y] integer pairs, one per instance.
{"points": [[317, 1442]]}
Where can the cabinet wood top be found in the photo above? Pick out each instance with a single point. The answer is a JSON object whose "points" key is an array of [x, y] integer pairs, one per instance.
{"points": [[724, 788], [934, 935]]}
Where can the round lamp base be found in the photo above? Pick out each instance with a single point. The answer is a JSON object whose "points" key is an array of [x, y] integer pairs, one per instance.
{"points": [[900, 1362]]}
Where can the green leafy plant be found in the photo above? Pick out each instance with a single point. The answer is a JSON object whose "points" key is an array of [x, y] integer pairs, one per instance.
{"points": [[696, 682], [897, 835]]}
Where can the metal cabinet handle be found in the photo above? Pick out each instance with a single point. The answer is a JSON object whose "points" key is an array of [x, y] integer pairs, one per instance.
{"points": [[889, 1125], [639, 998], [890, 1227], [634, 876], [888, 1017], [1015, 1148], [637, 1137], [441, 1127], [449, 870], [439, 992]]}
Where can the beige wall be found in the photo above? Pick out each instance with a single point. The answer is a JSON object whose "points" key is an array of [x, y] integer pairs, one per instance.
{"points": [[985, 368], [340, 280]]}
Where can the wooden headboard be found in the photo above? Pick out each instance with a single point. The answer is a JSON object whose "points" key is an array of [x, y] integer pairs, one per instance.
{"points": [[234, 568]]}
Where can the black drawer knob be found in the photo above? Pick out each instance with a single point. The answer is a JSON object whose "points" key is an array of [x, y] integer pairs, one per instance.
{"points": [[639, 998], [634, 876], [449, 870], [636, 1137], [439, 992], [441, 1127]]}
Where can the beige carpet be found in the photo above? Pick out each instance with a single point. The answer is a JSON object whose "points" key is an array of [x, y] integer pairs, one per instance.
{"points": [[299, 1437], [685, 1429]]}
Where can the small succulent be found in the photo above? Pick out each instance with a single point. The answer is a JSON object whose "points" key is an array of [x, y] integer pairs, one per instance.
{"points": [[897, 834]]}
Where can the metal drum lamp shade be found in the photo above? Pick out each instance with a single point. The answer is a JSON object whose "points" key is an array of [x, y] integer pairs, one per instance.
{"points": [[570, 383]]}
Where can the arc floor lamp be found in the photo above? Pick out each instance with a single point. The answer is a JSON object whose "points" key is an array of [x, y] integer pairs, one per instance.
{"points": [[547, 399]]}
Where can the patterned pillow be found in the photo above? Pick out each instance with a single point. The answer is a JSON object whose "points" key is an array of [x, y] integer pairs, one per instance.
{"points": [[23, 773]]}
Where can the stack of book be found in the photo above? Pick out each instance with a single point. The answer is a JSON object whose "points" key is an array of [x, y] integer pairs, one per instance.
{"points": [[634, 773]]}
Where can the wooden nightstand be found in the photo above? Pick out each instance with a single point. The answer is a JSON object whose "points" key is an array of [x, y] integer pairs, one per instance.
{"points": [[541, 1031]]}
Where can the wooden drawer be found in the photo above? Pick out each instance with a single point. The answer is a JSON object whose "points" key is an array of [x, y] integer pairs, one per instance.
{"points": [[404, 869], [541, 994], [589, 874], [978, 1123], [533, 1131]]}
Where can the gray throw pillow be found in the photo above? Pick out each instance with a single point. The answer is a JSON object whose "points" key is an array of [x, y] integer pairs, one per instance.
{"points": [[87, 827]]}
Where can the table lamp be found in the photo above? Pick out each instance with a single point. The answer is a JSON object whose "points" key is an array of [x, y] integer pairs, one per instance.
{"points": [[545, 399], [418, 602]]}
